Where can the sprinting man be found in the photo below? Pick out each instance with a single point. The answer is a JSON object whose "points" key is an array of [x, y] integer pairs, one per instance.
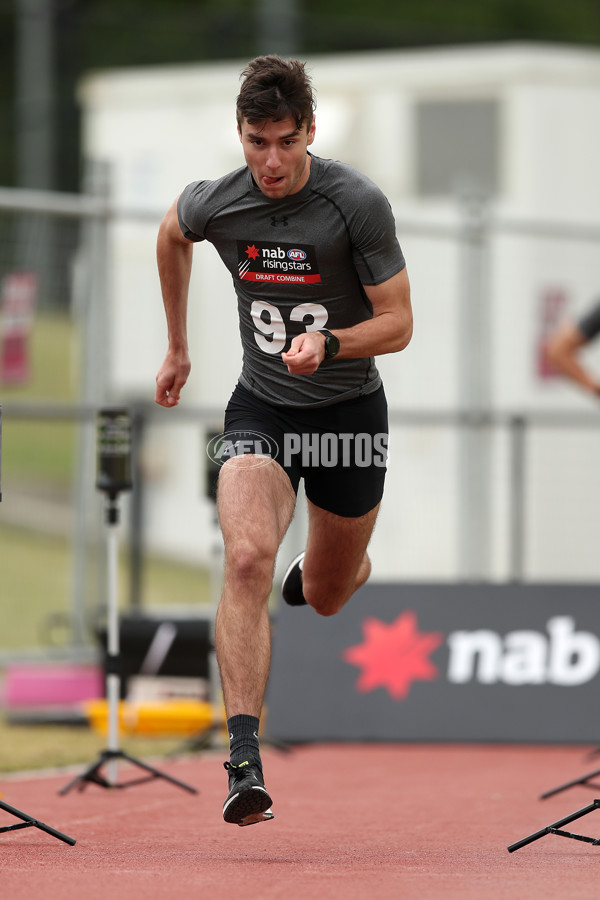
{"points": [[322, 289]]}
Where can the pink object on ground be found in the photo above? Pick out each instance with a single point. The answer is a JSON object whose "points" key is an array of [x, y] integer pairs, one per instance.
{"points": [[45, 684]]}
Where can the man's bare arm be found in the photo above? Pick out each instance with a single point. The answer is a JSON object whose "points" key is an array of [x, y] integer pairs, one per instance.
{"points": [[388, 331], [563, 350], [174, 257]]}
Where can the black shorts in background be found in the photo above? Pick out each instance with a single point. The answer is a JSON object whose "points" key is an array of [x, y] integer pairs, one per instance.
{"points": [[340, 450]]}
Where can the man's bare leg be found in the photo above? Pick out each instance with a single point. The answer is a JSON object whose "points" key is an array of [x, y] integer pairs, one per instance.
{"points": [[336, 562], [255, 503]]}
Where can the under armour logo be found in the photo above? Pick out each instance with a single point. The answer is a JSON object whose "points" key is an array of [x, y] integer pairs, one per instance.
{"points": [[279, 220]]}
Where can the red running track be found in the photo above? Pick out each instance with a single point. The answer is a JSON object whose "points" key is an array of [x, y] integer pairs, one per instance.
{"points": [[351, 821]]}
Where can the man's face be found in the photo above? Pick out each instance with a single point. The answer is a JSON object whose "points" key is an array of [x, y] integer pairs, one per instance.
{"points": [[275, 153]]}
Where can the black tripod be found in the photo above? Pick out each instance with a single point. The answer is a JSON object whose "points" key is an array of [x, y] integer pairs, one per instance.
{"points": [[556, 827], [30, 822], [114, 451]]}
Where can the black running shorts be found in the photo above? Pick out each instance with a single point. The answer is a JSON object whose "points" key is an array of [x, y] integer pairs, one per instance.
{"points": [[340, 450]]}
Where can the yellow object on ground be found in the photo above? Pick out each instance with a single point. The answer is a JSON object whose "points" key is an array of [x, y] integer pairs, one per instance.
{"points": [[177, 718]]}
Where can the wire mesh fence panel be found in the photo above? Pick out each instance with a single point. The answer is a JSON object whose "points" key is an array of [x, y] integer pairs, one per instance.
{"points": [[464, 497], [562, 503], [41, 352]]}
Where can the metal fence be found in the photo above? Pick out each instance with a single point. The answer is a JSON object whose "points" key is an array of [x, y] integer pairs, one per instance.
{"points": [[514, 507]]}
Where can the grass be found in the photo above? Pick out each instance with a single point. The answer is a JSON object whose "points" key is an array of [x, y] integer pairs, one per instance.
{"points": [[35, 604], [53, 358], [28, 747], [38, 451], [35, 584], [36, 587], [38, 460], [35, 601], [36, 567]]}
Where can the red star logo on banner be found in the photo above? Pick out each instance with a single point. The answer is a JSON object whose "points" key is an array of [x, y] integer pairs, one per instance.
{"points": [[252, 251], [393, 656]]}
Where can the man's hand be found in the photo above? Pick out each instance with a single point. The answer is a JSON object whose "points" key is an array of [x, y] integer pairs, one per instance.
{"points": [[171, 377], [306, 353]]}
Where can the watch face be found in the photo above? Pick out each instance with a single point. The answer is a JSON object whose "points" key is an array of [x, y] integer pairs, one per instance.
{"points": [[332, 345]]}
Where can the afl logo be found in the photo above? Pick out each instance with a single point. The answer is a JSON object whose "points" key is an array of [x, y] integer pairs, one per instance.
{"points": [[296, 254]]}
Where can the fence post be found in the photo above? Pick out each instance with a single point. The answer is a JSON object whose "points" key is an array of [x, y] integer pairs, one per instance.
{"points": [[91, 304], [474, 393], [517, 509]]}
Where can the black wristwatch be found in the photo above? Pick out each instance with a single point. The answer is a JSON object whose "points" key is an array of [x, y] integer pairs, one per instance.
{"points": [[332, 344]]}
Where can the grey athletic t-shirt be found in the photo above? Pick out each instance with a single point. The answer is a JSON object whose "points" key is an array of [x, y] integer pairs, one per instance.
{"points": [[589, 324], [298, 265]]}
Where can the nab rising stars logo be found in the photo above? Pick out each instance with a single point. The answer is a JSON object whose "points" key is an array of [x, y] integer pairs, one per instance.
{"points": [[277, 263]]}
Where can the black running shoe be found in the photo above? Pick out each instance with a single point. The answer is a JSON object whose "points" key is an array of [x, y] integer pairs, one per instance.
{"points": [[248, 801], [291, 587]]}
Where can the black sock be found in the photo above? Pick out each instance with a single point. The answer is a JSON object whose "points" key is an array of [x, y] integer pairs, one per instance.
{"points": [[243, 738]]}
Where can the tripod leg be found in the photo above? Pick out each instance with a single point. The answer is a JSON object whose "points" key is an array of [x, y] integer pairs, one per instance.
{"points": [[157, 773], [89, 774], [563, 787], [547, 830], [29, 820]]}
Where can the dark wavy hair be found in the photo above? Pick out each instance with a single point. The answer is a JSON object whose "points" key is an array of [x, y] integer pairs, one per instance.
{"points": [[274, 89]]}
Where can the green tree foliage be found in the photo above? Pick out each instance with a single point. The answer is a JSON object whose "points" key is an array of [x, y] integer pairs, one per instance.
{"points": [[356, 25]]}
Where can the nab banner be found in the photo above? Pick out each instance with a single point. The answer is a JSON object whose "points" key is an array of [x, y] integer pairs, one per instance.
{"points": [[440, 662]]}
